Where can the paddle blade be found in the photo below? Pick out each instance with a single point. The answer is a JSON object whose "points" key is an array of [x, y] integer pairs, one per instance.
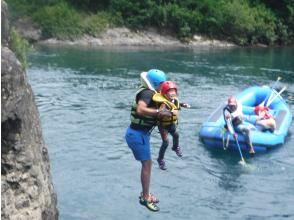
{"points": [[271, 99], [242, 162]]}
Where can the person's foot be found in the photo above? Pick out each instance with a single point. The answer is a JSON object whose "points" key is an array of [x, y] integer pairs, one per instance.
{"points": [[149, 204], [251, 152], [161, 164], [178, 151], [151, 197]]}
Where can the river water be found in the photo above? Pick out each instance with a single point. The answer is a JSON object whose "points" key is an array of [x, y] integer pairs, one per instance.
{"points": [[84, 97]]}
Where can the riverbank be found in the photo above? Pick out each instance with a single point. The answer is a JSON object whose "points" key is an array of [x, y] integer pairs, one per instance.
{"points": [[125, 37], [119, 36]]}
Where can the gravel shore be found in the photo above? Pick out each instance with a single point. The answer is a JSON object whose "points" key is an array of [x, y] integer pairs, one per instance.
{"points": [[126, 37]]}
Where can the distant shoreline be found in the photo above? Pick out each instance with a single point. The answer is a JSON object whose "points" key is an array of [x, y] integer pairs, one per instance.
{"points": [[119, 37], [124, 37]]}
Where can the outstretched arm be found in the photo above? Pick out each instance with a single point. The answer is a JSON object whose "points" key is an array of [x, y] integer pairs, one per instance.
{"points": [[143, 109]]}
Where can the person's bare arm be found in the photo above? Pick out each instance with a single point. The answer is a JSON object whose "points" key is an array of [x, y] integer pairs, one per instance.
{"points": [[143, 109]]}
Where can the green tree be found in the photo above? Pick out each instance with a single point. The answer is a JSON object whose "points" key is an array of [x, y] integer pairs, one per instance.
{"points": [[60, 21]]}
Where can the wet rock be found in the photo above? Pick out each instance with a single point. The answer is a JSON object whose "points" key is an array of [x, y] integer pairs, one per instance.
{"points": [[22, 150], [4, 24]]}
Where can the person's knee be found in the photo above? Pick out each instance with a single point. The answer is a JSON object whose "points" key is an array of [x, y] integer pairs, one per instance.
{"points": [[246, 130], [176, 135], [165, 143]]}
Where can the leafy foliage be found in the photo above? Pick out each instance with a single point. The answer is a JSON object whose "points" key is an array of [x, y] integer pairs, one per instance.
{"points": [[245, 22], [94, 24], [60, 21], [19, 46]]}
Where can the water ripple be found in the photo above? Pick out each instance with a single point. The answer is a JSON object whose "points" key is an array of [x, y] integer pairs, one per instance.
{"points": [[84, 98]]}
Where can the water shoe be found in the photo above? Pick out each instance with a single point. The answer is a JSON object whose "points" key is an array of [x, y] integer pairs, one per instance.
{"points": [[151, 197], [149, 204], [178, 151], [161, 164], [251, 152]]}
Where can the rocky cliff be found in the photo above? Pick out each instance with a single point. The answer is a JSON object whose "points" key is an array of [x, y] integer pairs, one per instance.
{"points": [[26, 186]]}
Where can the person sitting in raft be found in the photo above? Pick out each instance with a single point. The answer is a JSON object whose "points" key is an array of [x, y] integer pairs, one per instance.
{"points": [[265, 121], [233, 116], [168, 101]]}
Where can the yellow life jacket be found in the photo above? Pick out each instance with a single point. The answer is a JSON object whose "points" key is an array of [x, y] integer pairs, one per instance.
{"points": [[164, 103]]}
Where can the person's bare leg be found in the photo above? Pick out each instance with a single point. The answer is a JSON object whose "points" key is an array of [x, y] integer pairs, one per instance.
{"points": [[267, 124], [247, 134], [145, 177]]}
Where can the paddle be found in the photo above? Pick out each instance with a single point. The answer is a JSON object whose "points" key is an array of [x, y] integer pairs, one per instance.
{"points": [[232, 131], [242, 158], [272, 89], [278, 79], [274, 97]]}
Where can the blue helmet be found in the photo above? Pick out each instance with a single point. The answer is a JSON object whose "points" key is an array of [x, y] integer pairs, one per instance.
{"points": [[156, 77]]}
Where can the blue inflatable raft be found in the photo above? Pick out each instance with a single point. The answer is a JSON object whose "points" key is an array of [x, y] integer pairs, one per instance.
{"points": [[213, 134]]}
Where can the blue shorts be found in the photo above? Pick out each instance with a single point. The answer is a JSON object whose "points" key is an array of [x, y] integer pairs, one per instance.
{"points": [[139, 142]]}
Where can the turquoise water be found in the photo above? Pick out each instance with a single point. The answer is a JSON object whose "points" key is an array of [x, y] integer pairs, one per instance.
{"points": [[84, 97]]}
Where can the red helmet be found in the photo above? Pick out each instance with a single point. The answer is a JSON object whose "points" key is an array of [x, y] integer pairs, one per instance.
{"points": [[260, 108], [167, 85]]}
